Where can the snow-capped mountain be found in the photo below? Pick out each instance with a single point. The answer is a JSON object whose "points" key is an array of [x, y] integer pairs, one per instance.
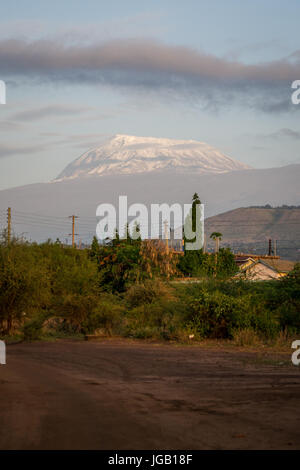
{"points": [[125, 154]]}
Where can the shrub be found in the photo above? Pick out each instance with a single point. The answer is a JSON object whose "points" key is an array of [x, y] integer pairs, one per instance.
{"points": [[289, 315], [107, 316], [161, 317], [245, 337], [68, 288], [32, 330], [148, 292], [217, 315], [24, 284]]}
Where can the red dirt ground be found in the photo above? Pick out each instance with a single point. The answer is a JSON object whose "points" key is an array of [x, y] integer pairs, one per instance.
{"points": [[133, 395]]}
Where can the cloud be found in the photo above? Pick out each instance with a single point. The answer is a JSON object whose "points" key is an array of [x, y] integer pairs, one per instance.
{"points": [[11, 150], [290, 133], [153, 66], [48, 111], [282, 133], [10, 126], [46, 57], [81, 141]]}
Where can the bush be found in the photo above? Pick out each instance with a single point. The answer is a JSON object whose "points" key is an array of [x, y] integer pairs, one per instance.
{"points": [[197, 263], [106, 316], [161, 317], [32, 330], [46, 280], [148, 292], [289, 316], [24, 285], [67, 290], [217, 315]]}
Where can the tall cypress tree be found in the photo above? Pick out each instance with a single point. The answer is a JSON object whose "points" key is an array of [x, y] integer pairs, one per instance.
{"points": [[192, 261], [195, 203]]}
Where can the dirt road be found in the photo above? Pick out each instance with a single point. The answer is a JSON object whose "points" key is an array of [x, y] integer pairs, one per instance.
{"points": [[133, 395]]}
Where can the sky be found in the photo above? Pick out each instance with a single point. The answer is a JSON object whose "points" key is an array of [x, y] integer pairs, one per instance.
{"points": [[215, 71]]}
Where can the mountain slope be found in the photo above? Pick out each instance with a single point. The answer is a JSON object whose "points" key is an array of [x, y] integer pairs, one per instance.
{"points": [[248, 229], [124, 154]]}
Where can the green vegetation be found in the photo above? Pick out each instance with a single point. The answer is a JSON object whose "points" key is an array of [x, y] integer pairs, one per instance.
{"points": [[130, 288], [127, 289], [196, 263]]}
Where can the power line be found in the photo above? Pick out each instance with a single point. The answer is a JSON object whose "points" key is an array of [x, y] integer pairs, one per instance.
{"points": [[87, 220]]}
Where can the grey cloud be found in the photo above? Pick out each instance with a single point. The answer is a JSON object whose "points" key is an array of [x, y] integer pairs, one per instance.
{"points": [[150, 65], [84, 141], [48, 111], [87, 145], [10, 126], [282, 133], [289, 133], [11, 150], [18, 56]]}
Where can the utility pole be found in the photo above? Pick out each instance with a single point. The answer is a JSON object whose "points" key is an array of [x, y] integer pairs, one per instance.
{"points": [[275, 247], [166, 227], [73, 217], [166, 235], [8, 225], [270, 246]]}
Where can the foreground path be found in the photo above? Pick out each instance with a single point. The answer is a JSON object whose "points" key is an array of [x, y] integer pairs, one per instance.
{"points": [[132, 395]]}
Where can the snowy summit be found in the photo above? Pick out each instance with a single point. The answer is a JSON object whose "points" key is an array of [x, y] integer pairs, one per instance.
{"points": [[125, 154]]}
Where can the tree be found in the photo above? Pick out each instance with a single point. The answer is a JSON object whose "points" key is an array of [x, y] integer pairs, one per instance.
{"points": [[200, 264], [195, 203], [192, 263], [24, 284], [94, 250], [226, 265], [217, 237], [118, 262]]}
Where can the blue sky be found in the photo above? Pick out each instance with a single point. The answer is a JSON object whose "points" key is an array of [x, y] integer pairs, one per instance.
{"points": [[214, 71]]}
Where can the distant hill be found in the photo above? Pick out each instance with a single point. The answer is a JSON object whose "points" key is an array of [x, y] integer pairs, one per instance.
{"points": [[248, 229]]}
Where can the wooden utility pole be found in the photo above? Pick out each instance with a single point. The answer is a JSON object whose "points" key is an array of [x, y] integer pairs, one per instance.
{"points": [[73, 217], [166, 230], [270, 247], [8, 225], [166, 235]]}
